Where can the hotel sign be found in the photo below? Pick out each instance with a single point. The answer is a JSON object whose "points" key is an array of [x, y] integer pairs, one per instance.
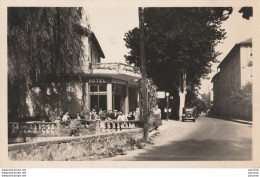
{"points": [[105, 80], [97, 81], [118, 81]]}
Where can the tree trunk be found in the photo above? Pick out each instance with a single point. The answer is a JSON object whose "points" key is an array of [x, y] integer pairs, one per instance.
{"points": [[182, 96], [182, 92], [143, 85]]}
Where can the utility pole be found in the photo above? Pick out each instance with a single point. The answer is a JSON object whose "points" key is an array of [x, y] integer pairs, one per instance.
{"points": [[144, 80]]}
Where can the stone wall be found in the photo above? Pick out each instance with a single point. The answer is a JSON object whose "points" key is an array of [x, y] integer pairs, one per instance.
{"points": [[73, 147]]}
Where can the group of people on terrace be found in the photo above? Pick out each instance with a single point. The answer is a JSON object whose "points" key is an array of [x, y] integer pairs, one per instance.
{"points": [[97, 114], [109, 117]]}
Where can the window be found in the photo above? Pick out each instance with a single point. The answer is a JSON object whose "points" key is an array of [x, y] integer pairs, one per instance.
{"points": [[99, 101], [98, 96], [118, 89], [93, 88], [98, 88], [102, 88]]}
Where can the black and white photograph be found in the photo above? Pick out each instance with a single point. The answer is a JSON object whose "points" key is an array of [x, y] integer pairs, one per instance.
{"points": [[102, 83]]}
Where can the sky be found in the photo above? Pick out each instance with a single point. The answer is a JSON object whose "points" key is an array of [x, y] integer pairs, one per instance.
{"points": [[110, 23]]}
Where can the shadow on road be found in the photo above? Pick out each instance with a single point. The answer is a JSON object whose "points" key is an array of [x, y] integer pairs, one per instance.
{"points": [[199, 150]]}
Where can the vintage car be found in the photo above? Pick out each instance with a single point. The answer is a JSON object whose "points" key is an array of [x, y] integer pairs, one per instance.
{"points": [[188, 114]]}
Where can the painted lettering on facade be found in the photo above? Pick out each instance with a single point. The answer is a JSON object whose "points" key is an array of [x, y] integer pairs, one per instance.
{"points": [[97, 81], [117, 81]]}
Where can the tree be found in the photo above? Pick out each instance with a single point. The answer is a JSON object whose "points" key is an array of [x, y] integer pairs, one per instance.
{"points": [[206, 99], [41, 42], [179, 46], [144, 91], [243, 95], [247, 12]]}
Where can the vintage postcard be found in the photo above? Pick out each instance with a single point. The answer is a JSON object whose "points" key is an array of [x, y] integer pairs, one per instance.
{"points": [[129, 84]]}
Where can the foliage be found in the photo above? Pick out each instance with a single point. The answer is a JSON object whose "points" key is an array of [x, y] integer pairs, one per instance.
{"points": [[201, 104], [242, 96], [247, 12], [92, 127], [178, 38], [132, 142], [42, 41], [206, 99]]}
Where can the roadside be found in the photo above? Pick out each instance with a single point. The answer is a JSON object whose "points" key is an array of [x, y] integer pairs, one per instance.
{"points": [[207, 139], [170, 130], [155, 137], [233, 119]]}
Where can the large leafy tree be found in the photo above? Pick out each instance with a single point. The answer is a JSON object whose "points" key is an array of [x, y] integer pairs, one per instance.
{"points": [[247, 12], [179, 46], [41, 42]]}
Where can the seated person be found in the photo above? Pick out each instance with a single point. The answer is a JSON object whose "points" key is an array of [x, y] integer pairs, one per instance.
{"points": [[114, 115], [74, 126], [100, 112], [66, 119], [57, 120], [78, 117], [109, 118], [52, 119], [109, 113], [106, 124], [130, 116], [137, 113], [125, 118], [93, 115], [86, 115], [59, 117], [121, 117]]}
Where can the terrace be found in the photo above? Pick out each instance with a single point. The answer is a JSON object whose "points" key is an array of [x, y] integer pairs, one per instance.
{"points": [[113, 70], [33, 131]]}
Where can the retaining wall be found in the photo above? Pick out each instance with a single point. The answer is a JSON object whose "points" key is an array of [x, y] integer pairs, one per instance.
{"points": [[72, 147]]}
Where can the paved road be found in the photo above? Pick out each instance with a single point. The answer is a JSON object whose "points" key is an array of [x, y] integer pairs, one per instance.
{"points": [[208, 139]]}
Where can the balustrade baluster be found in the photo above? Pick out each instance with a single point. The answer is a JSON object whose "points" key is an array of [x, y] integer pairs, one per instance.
{"points": [[53, 128], [31, 128], [23, 128], [49, 128], [102, 125], [57, 129], [28, 128], [35, 128], [110, 125], [43, 128], [40, 128]]}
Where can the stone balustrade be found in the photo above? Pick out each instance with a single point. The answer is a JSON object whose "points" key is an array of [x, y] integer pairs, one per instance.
{"points": [[119, 125], [118, 67], [54, 129], [35, 128]]}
